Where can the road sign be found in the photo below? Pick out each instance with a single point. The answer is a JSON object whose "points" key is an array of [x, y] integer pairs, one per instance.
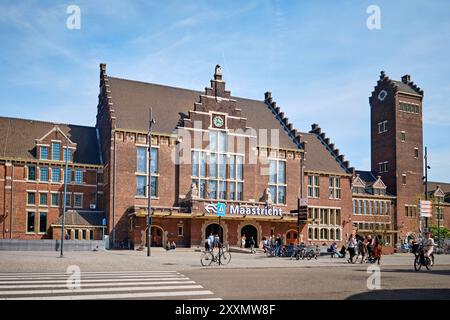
{"points": [[302, 209], [221, 209], [304, 202], [104, 222], [425, 208]]}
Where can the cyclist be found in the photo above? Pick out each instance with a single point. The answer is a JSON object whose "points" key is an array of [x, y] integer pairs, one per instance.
{"points": [[428, 246]]}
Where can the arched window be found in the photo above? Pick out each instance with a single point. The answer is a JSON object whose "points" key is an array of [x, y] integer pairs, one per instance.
{"points": [[332, 234], [310, 235], [316, 233], [325, 234]]}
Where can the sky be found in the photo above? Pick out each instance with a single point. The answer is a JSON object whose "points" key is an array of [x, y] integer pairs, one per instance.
{"points": [[318, 58]]}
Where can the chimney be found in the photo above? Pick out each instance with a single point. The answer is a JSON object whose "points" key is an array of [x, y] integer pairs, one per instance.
{"points": [[406, 79]]}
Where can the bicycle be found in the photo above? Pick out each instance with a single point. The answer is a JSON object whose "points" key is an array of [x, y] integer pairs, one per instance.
{"points": [[420, 259], [208, 257]]}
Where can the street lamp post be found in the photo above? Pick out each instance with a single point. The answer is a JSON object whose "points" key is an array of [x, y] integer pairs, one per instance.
{"points": [[66, 155], [149, 181]]}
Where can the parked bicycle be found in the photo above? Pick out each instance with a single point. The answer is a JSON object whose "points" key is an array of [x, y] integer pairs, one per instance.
{"points": [[209, 257]]}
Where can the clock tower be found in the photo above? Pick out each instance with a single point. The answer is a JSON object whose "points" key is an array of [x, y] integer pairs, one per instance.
{"points": [[397, 146]]}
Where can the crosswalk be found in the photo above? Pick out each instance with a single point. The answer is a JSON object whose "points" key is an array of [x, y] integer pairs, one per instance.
{"points": [[156, 284]]}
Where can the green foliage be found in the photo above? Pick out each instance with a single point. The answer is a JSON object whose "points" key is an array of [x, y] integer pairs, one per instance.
{"points": [[443, 232]]}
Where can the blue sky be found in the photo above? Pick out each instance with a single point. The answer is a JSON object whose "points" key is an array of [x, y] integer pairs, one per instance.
{"points": [[318, 59]]}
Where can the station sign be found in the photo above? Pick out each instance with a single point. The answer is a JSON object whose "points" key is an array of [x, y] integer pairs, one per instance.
{"points": [[235, 209]]}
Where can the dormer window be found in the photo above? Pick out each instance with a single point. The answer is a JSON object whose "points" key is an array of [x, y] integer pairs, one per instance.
{"points": [[43, 152], [67, 154], [56, 151]]}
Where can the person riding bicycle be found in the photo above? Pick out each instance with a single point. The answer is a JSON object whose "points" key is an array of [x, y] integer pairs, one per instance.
{"points": [[428, 246]]}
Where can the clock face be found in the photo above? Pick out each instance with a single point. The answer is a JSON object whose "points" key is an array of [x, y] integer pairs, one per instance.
{"points": [[218, 121], [382, 95]]}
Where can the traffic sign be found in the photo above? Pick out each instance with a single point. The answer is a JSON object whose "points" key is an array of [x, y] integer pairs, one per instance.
{"points": [[104, 222], [221, 209], [425, 208]]}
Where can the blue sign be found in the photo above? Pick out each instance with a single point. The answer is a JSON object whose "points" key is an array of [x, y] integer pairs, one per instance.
{"points": [[104, 222], [221, 209]]}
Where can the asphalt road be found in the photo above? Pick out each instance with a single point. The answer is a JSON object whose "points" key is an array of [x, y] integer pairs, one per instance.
{"points": [[345, 282]]}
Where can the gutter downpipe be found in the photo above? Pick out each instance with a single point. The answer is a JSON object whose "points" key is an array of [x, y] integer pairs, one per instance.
{"points": [[12, 202]]}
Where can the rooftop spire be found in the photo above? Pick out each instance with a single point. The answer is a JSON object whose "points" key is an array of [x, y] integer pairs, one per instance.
{"points": [[218, 73]]}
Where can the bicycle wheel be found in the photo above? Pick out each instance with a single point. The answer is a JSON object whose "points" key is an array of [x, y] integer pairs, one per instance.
{"points": [[225, 258], [417, 263], [206, 259], [428, 264]]}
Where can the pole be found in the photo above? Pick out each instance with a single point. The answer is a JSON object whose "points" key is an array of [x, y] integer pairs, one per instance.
{"points": [[66, 155], [149, 181], [426, 184], [220, 244], [302, 156]]}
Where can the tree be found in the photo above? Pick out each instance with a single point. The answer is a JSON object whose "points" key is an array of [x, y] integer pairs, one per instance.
{"points": [[442, 232]]}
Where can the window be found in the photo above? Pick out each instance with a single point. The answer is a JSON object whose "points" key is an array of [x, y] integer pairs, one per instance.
{"points": [[83, 234], [141, 161], [67, 175], [334, 188], [409, 107], [42, 222], [56, 151], [439, 213], [313, 186], [403, 136], [142, 171], [78, 201], [154, 186], [354, 206], [180, 231], [30, 221], [382, 126], [199, 172], [31, 173], [43, 154], [67, 154], [236, 164], [410, 211], [76, 234], [55, 199], [218, 147], [360, 206], [43, 174], [91, 235], [141, 185], [43, 199], [416, 153], [78, 176], [68, 199], [31, 198], [56, 175], [404, 179], [383, 167], [277, 180]]}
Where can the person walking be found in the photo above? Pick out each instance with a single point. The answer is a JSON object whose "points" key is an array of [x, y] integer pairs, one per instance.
{"points": [[351, 248], [377, 251], [252, 245], [211, 241], [243, 242], [362, 249]]}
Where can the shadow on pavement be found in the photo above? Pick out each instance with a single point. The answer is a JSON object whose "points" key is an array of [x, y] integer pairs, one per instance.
{"points": [[423, 270], [403, 294]]}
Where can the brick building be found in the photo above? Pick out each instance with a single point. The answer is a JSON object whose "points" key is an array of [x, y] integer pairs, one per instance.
{"points": [[32, 163], [209, 147]]}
